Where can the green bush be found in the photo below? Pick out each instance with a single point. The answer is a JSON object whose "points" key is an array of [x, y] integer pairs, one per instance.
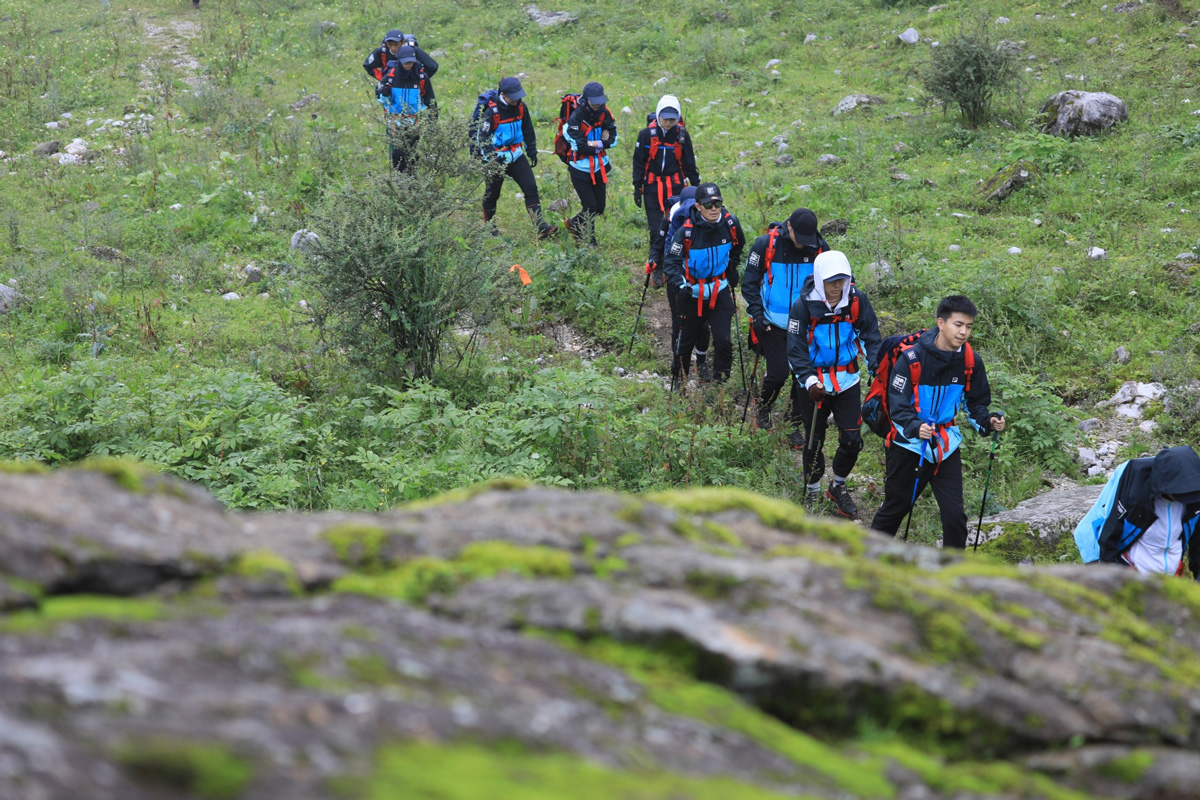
{"points": [[969, 70]]}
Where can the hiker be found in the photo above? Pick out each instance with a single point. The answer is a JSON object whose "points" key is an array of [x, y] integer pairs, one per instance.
{"points": [[702, 261], [1146, 515], [932, 378], [380, 60], [829, 326], [663, 161], [505, 133], [679, 208], [780, 262], [407, 92], [590, 132]]}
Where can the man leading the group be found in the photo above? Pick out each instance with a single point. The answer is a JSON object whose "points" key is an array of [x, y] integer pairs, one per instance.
{"points": [[932, 379], [829, 327], [702, 260], [780, 262]]}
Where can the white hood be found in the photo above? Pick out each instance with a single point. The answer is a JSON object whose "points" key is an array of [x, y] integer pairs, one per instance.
{"points": [[668, 101], [828, 265]]}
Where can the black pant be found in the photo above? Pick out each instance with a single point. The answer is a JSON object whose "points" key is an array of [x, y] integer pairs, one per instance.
{"points": [[702, 341], [691, 328], [654, 217], [772, 346], [592, 197], [403, 142], [521, 172], [947, 482], [846, 406], [656, 209]]}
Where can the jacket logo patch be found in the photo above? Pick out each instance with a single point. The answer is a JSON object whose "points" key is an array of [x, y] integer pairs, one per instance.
{"points": [[899, 382], [793, 326], [676, 249], [954, 379], [754, 259]]}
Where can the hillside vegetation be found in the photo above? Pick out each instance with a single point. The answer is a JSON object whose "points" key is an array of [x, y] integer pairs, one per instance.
{"points": [[212, 152]]}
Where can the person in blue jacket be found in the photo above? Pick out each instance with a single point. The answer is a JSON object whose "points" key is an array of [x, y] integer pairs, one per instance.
{"points": [[1146, 516], [928, 385], [780, 261], [590, 132], [829, 327], [679, 208], [408, 92], [702, 261]]}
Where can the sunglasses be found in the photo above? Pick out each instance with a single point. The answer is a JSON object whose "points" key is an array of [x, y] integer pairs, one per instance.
{"points": [[710, 203]]}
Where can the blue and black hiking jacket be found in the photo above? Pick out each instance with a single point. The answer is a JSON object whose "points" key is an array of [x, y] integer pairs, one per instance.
{"points": [[408, 91], [826, 344], [940, 391], [1124, 511], [509, 128], [702, 258], [584, 129], [775, 275]]}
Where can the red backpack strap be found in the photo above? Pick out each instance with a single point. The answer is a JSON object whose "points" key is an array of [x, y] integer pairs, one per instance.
{"points": [[769, 256], [969, 360], [914, 373]]}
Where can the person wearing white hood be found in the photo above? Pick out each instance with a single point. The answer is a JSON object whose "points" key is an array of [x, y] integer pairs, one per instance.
{"points": [[829, 327], [663, 161]]}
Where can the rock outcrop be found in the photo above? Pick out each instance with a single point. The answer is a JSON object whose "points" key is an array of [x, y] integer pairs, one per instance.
{"points": [[1076, 113], [706, 644]]}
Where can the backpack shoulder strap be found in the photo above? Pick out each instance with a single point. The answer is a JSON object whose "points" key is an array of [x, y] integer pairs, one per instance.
{"points": [[969, 364]]}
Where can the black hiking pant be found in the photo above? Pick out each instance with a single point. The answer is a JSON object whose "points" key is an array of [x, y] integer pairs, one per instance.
{"points": [[772, 346], [702, 341], [691, 327], [654, 218], [521, 172], [947, 482], [593, 197], [846, 407]]}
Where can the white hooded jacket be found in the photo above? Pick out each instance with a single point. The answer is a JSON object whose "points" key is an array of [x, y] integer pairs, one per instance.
{"points": [[828, 265]]}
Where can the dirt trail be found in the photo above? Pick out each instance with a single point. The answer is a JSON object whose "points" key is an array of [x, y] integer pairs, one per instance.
{"points": [[170, 40], [656, 315]]}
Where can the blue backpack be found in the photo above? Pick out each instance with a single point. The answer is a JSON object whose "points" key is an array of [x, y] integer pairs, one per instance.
{"points": [[479, 147]]}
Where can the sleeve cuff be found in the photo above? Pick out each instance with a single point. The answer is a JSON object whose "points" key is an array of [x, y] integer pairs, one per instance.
{"points": [[811, 382]]}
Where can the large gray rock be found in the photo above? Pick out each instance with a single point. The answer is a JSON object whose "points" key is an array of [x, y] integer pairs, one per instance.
{"points": [[853, 101], [48, 148], [550, 19], [661, 633], [1047, 516], [1078, 113], [8, 298]]}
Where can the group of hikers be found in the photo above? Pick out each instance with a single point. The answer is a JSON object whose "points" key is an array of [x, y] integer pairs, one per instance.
{"points": [[810, 325]]}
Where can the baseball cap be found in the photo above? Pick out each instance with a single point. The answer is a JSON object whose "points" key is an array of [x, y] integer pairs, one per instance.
{"points": [[511, 88], [708, 193], [393, 36], [594, 93], [804, 227], [668, 113], [406, 55]]}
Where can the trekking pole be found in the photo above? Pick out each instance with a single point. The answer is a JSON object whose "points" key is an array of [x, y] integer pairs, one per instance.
{"points": [[737, 327], [746, 408], [916, 485], [809, 444], [645, 286], [987, 482]]}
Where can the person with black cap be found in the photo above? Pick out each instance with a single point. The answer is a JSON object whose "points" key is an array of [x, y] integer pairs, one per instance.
{"points": [[931, 380], [702, 261], [380, 60], [590, 132], [679, 208], [408, 91], [1145, 517], [505, 131], [828, 326], [663, 160], [780, 262]]}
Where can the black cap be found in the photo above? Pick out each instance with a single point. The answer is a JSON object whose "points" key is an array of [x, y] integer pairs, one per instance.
{"points": [[804, 227], [393, 36], [669, 113], [1176, 472], [707, 193], [406, 55], [594, 93], [511, 88]]}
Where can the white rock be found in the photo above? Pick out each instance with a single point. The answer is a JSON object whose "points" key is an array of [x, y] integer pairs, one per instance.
{"points": [[1095, 470], [52, 126], [1087, 456], [1150, 391], [66, 115], [1189, 256], [1014, 251], [77, 147], [910, 36], [66, 158], [774, 62], [954, 248], [1097, 254], [775, 73], [812, 37], [1037, 223], [175, 207], [960, 215], [1002, 20], [626, 110], [231, 296], [662, 80], [1149, 426]]}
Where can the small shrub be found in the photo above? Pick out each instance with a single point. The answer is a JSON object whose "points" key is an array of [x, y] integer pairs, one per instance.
{"points": [[1187, 137], [1052, 154], [969, 71]]}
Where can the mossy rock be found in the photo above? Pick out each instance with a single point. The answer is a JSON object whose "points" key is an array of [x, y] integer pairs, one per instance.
{"points": [[1017, 543], [508, 484], [129, 474], [206, 770], [65, 608], [264, 565], [24, 467]]}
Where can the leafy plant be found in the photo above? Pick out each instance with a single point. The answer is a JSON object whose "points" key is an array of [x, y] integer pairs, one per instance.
{"points": [[969, 70], [1052, 154]]}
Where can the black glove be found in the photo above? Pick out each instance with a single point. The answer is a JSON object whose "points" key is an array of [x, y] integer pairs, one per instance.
{"points": [[532, 155], [760, 327], [731, 275], [816, 392], [380, 86], [637, 197]]}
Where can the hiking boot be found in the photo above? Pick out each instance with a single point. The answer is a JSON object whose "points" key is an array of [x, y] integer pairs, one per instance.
{"points": [[796, 440], [704, 370], [546, 230], [658, 278], [762, 417], [842, 501], [575, 230], [812, 499]]}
